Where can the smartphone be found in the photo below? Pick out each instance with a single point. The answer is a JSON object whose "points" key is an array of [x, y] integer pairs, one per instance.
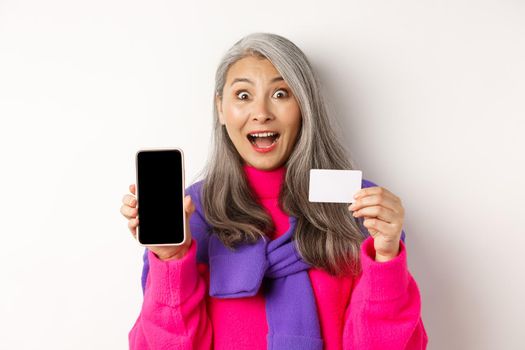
{"points": [[160, 196]]}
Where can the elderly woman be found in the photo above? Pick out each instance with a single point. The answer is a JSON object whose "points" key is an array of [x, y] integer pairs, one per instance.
{"points": [[262, 267]]}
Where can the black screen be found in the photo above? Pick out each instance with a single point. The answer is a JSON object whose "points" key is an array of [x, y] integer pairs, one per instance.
{"points": [[160, 190]]}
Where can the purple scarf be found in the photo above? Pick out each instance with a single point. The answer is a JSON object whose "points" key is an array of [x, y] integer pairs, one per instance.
{"points": [[290, 303]]}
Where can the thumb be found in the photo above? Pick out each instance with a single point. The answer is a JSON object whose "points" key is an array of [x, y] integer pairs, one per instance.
{"points": [[189, 206]]}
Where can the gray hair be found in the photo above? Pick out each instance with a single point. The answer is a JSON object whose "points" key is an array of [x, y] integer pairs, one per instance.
{"points": [[327, 236]]}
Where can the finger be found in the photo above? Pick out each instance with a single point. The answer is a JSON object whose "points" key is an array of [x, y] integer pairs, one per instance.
{"points": [[132, 225], [377, 211], [132, 188], [128, 212], [189, 207], [375, 190], [383, 200], [370, 230], [129, 200], [381, 226]]}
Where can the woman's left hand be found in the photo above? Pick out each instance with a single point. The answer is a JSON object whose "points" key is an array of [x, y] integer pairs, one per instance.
{"points": [[383, 213]]}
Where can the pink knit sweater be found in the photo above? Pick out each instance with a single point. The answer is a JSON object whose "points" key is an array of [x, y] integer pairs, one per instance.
{"points": [[380, 309]]}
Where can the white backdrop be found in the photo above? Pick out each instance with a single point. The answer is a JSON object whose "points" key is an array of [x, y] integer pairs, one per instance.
{"points": [[431, 106]]}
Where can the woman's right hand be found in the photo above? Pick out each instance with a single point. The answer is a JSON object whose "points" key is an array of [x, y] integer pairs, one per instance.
{"points": [[129, 209]]}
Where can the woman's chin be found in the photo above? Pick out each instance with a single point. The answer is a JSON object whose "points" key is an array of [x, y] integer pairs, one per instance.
{"points": [[264, 164]]}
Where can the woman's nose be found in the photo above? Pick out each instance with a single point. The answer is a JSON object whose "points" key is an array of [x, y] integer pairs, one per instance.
{"points": [[261, 110]]}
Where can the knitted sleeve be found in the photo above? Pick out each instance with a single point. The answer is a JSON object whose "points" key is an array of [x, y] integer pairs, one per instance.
{"points": [[174, 310], [173, 314], [384, 311]]}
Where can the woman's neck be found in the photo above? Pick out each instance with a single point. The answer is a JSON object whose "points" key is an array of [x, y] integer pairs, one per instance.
{"points": [[265, 183]]}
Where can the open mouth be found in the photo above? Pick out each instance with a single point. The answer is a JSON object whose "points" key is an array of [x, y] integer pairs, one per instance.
{"points": [[263, 140]]}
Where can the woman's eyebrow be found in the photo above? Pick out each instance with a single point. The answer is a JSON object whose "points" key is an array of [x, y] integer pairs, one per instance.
{"points": [[236, 80]]}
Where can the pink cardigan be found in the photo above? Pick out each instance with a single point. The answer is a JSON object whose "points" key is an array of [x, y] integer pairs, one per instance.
{"points": [[380, 309]]}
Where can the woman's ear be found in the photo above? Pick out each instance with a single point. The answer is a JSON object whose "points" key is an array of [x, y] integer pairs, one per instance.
{"points": [[218, 102]]}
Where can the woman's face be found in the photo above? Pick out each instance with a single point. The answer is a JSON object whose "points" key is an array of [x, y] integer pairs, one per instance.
{"points": [[260, 113]]}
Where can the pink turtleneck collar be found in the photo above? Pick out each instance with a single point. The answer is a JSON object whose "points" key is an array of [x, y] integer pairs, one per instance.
{"points": [[265, 183]]}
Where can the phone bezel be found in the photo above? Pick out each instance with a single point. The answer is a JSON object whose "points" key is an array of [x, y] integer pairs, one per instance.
{"points": [[159, 149]]}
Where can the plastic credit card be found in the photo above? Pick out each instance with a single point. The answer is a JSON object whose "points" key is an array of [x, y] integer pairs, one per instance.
{"points": [[334, 186]]}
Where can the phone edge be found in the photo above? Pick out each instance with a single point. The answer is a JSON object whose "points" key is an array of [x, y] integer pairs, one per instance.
{"points": [[183, 192]]}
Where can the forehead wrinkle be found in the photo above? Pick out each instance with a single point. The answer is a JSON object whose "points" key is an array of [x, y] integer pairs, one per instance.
{"points": [[279, 78]]}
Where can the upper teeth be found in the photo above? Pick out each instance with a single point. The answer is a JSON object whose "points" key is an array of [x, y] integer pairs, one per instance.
{"points": [[264, 134]]}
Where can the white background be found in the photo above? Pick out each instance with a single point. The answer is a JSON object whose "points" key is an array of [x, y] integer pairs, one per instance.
{"points": [[431, 100]]}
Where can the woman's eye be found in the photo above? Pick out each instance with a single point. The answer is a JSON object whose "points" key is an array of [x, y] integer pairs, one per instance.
{"points": [[281, 91], [242, 93]]}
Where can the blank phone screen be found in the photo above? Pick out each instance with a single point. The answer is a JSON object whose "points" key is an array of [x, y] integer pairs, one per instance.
{"points": [[160, 197]]}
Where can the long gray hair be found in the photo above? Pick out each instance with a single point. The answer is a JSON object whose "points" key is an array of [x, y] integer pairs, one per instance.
{"points": [[327, 236]]}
